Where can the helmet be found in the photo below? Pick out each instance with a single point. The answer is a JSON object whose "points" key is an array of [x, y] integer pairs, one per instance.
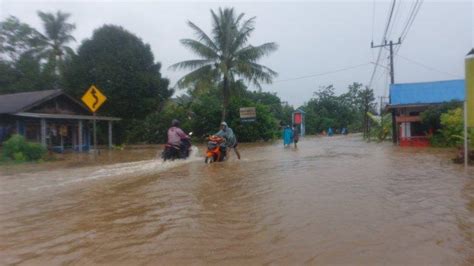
{"points": [[224, 124], [175, 123]]}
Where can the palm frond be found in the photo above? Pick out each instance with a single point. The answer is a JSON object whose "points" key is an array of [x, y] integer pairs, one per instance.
{"points": [[243, 34], [253, 53], [202, 73], [255, 73], [191, 64], [203, 36], [200, 49]]}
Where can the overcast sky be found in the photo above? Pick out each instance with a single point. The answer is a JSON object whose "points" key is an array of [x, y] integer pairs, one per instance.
{"points": [[314, 37]]}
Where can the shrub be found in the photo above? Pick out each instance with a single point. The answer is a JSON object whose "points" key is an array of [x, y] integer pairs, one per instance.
{"points": [[18, 149], [452, 126]]}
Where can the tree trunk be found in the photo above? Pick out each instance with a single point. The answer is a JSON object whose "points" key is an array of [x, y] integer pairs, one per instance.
{"points": [[225, 94]]}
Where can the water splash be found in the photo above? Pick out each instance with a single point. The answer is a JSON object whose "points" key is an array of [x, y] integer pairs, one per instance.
{"points": [[128, 169]]}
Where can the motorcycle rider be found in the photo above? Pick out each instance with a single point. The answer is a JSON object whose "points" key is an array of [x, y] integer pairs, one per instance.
{"points": [[228, 134], [177, 137]]}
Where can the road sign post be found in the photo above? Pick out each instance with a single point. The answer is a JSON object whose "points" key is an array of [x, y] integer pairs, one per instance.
{"points": [[93, 99]]}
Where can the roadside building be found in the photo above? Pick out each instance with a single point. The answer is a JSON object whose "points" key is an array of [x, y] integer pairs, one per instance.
{"points": [[50, 117], [408, 100]]}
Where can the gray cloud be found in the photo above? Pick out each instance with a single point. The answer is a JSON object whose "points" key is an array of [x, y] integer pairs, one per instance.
{"points": [[314, 37]]}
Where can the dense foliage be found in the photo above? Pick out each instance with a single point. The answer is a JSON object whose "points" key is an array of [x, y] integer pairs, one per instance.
{"points": [[444, 122], [16, 148], [348, 110], [21, 65], [452, 125], [201, 114], [122, 66]]}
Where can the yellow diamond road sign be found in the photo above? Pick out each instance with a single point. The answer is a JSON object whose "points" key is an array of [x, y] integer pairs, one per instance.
{"points": [[93, 98]]}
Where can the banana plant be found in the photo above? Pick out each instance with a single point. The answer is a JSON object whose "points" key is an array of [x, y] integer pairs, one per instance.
{"points": [[380, 127]]}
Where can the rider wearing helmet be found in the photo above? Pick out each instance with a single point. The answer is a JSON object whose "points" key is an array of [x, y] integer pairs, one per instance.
{"points": [[176, 135], [228, 134]]}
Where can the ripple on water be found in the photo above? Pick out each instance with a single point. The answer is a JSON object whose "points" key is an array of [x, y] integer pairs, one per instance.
{"points": [[331, 201]]}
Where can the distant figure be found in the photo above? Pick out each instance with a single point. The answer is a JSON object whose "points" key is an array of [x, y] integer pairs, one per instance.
{"points": [[296, 135], [330, 132], [287, 136], [344, 131]]}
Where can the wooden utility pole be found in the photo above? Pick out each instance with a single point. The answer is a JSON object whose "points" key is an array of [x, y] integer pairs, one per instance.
{"points": [[392, 81]]}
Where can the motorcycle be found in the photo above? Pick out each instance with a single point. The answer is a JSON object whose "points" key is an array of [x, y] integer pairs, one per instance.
{"points": [[216, 149], [174, 152]]}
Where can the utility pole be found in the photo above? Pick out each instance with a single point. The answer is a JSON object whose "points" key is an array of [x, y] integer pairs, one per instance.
{"points": [[392, 81]]}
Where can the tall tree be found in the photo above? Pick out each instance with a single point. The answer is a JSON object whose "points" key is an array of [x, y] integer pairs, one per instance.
{"points": [[225, 56], [20, 66], [57, 34], [367, 98], [16, 39], [121, 65]]}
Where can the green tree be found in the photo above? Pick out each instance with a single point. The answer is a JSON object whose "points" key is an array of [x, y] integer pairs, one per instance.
{"points": [[326, 110], [122, 66], [366, 99], [431, 117], [348, 110], [16, 39], [225, 56], [452, 126], [361, 101], [20, 65], [57, 34]]}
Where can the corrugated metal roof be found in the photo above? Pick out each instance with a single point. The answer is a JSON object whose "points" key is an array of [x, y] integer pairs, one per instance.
{"points": [[427, 92], [16, 102]]}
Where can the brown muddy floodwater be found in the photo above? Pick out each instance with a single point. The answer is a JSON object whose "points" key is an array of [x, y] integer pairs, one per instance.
{"points": [[331, 201]]}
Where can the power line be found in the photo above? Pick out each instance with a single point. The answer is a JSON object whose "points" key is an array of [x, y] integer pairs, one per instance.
{"points": [[427, 67], [373, 26], [407, 22], [384, 38], [323, 73], [373, 19], [395, 16], [417, 9], [414, 12]]}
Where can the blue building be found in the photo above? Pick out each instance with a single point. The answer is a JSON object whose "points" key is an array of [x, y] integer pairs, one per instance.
{"points": [[50, 117], [408, 100]]}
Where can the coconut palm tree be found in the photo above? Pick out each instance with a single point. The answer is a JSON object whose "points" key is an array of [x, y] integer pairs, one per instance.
{"points": [[225, 56], [57, 35]]}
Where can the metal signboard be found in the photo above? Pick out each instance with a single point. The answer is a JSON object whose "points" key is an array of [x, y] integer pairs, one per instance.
{"points": [[93, 98], [248, 114]]}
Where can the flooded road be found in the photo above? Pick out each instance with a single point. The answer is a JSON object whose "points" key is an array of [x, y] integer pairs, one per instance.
{"points": [[331, 201]]}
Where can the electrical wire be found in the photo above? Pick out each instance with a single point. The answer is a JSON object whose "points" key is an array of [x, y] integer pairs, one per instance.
{"points": [[409, 23], [384, 38], [373, 26], [323, 73], [418, 7], [395, 19], [427, 67]]}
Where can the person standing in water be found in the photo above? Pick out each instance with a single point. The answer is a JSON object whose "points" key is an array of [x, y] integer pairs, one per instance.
{"points": [[287, 136], [296, 135]]}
